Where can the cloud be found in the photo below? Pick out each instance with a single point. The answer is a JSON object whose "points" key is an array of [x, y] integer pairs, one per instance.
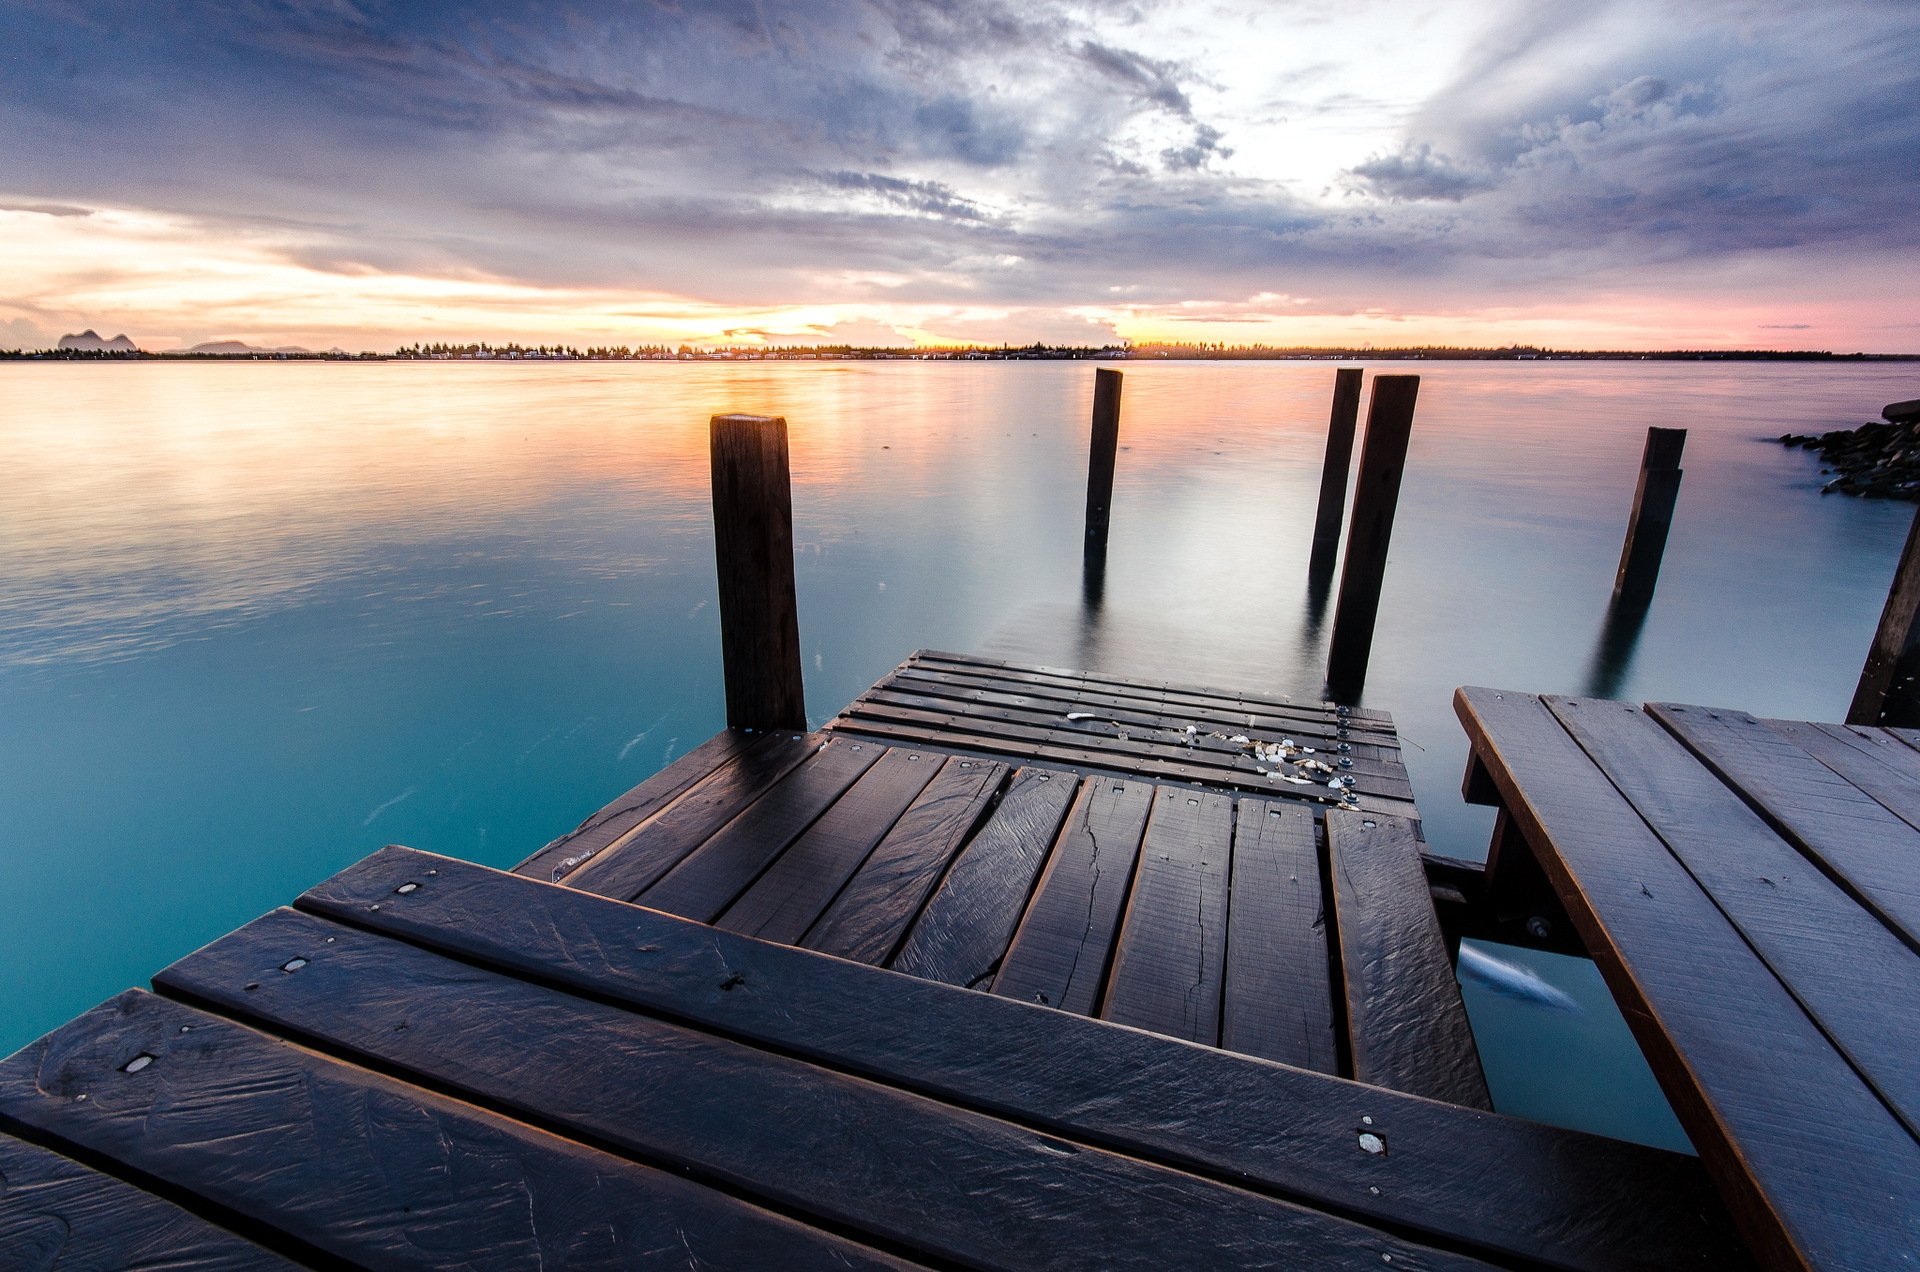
{"points": [[1786, 326], [1417, 172], [46, 209], [23, 333]]}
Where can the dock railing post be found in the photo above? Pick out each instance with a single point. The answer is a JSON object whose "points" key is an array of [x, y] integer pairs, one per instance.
{"points": [[1333, 473], [1653, 500], [753, 551], [1376, 494], [1888, 693], [1100, 455]]}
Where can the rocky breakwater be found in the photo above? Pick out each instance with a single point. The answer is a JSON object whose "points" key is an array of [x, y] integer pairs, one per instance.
{"points": [[1879, 460]]}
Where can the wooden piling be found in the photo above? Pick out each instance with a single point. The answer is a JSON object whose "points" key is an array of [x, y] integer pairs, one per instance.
{"points": [[1653, 500], [1100, 456], [1889, 691], [1333, 472], [1376, 493], [753, 550]]}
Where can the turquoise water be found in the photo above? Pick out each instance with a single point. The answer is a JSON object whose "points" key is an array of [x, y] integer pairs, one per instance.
{"points": [[257, 620]]}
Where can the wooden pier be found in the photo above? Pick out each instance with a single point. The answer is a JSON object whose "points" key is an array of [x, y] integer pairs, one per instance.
{"points": [[1141, 978]]}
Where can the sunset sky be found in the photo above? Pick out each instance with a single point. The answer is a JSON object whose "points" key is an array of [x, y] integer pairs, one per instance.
{"points": [[1596, 173]]}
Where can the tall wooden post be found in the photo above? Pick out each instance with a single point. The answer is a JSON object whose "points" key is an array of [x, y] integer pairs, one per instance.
{"points": [[1376, 494], [753, 550], [1889, 690], [1106, 440], [1333, 473], [1653, 500]]}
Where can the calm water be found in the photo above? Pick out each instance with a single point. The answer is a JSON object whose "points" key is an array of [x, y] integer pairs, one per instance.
{"points": [[257, 620]]}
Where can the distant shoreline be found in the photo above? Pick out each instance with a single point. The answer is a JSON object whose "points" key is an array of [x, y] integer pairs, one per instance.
{"points": [[1040, 353]]}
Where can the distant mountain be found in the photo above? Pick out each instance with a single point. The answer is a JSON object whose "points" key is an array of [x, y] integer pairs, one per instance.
{"points": [[89, 341], [241, 349]]}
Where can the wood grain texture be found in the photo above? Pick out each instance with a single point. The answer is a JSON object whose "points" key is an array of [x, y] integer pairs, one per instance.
{"points": [[1102, 443], [1872, 760], [1406, 1023], [1889, 688], [1376, 494], [605, 827], [634, 862], [1534, 1192], [964, 929], [365, 1168], [1334, 467], [1818, 1173], [1169, 961], [1871, 852], [1168, 693], [1278, 1002], [870, 917], [706, 880], [1848, 971], [56, 1213], [796, 889], [753, 559], [1059, 955], [903, 1170], [1652, 517]]}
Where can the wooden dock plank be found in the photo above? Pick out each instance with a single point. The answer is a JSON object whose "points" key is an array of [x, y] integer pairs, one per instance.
{"points": [[1534, 1192], [633, 863], [1825, 1178], [941, 731], [364, 1168], [796, 889], [797, 1136], [1406, 1022], [870, 917], [708, 878], [1869, 850], [605, 827], [1168, 692], [1848, 971], [1168, 963], [1129, 732], [1883, 767], [56, 1213], [1278, 1002], [964, 929], [1059, 955], [1314, 726]]}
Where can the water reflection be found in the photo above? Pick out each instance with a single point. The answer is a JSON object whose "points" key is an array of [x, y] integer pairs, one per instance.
{"points": [[1619, 637]]}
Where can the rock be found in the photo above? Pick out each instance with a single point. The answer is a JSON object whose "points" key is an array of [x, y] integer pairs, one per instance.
{"points": [[89, 341], [1902, 412]]}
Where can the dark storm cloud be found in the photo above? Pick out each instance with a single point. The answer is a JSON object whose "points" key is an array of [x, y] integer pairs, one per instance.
{"points": [[969, 150]]}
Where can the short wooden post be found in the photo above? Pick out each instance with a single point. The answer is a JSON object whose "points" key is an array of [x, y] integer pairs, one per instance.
{"points": [[1653, 500], [1100, 455], [753, 550], [1376, 493], [1333, 473], [1889, 690]]}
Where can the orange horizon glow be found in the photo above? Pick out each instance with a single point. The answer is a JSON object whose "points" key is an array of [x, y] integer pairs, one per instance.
{"points": [[169, 282]]}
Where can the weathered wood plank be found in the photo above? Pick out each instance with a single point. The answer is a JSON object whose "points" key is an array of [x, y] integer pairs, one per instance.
{"points": [[1169, 960], [795, 890], [1311, 724], [1376, 493], [1879, 765], [870, 917], [633, 863], [1406, 1023], [1059, 955], [706, 880], [1136, 732], [559, 858], [1198, 697], [365, 1168], [1829, 1178], [950, 732], [1871, 852], [753, 561], [1849, 972], [1278, 1002], [56, 1213], [790, 1132], [962, 933], [1534, 1192]]}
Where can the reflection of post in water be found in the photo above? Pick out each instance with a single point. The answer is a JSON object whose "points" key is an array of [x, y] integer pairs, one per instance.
{"points": [[1093, 593], [1319, 588], [1619, 638]]}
